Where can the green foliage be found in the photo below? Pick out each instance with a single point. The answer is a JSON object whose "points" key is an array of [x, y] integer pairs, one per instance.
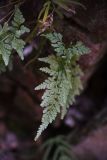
{"points": [[58, 149], [63, 83], [10, 38]]}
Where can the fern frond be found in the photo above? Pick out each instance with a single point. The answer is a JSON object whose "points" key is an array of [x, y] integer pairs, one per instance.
{"points": [[10, 37], [63, 83], [17, 30]]}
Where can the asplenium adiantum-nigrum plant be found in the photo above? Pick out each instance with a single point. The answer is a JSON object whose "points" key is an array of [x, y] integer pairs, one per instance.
{"points": [[10, 38], [63, 82], [64, 79]]}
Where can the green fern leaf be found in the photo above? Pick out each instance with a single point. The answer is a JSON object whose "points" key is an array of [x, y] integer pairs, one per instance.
{"points": [[10, 37], [63, 83]]}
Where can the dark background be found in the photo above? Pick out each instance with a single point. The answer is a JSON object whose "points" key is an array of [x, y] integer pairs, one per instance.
{"points": [[20, 112]]}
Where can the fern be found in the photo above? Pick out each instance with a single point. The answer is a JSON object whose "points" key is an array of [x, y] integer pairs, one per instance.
{"points": [[63, 83], [10, 37], [58, 148]]}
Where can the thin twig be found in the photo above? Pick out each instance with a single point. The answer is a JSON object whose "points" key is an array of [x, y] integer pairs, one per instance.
{"points": [[11, 11], [6, 16], [5, 6]]}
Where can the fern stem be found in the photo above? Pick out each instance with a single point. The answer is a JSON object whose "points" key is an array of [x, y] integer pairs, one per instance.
{"points": [[13, 3], [6, 16]]}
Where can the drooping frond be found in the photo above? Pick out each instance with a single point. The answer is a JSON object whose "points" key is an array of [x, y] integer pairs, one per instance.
{"points": [[63, 83], [10, 37]]}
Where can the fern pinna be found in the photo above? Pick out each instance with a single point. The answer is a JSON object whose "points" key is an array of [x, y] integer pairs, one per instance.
{"points": [[63, 83]]}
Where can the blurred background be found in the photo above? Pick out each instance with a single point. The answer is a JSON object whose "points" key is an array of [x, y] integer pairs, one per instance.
{"points": [[83, 132]]}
